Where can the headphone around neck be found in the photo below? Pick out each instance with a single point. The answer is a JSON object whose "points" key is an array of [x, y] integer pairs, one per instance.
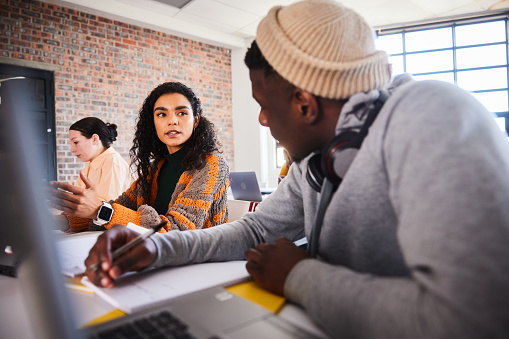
{"points": [[326, 171], [334, 162]]}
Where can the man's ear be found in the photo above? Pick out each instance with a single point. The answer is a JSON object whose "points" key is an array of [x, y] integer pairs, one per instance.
{"points": [[307, 106]]}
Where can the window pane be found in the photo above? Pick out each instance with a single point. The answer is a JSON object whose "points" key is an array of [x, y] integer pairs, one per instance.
{"points": [[481, 56], [447, 77], [429, 62], [397, 64], [493, 101], [483, 33], [482, 79], [280, 157], [501, 123], [429, 39], [39, 121], [392, 44]]}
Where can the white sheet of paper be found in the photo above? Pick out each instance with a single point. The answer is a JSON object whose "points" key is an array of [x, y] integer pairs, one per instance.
{"points": [[73, 249], [135, 291]]}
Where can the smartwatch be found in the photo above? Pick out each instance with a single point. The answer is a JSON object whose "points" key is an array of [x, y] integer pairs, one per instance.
{"points": [[104, 215]]}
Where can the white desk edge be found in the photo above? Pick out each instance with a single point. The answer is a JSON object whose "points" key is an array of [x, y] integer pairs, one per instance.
{"points": [[15, 322]]}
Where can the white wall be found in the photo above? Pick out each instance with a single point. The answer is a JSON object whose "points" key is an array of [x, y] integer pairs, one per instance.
{"points": [[254, 147]]}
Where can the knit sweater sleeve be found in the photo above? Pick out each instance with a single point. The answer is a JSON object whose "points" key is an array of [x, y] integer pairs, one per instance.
{"points": [[76, 224], [196, 193], [124, 211], [191, 204], [125, 207], [218, 210]]}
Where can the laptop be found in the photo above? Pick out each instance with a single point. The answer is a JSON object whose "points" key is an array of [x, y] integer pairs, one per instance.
{"points": [[210, 313], [245, 186], [27, 227]]}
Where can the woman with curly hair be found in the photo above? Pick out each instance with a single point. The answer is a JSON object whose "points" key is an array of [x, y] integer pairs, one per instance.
{"points": [[182, 177]]}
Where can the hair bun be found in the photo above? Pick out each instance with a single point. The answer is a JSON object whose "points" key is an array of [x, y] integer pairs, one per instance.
{"points": [[113, 131]]}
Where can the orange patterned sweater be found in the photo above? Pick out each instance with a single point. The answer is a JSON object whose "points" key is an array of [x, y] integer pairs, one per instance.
{"points": [[198, 201]]}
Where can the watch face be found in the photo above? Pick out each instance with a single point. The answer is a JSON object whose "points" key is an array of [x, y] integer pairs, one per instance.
{"points": [[105, 213]]}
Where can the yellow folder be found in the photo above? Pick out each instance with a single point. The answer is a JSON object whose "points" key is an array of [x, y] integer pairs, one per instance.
{"points": [[116, 313], [253, 292]]}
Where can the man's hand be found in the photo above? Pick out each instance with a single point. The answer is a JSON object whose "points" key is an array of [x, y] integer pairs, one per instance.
{"points": [[270, 264], [74, 200], [135, 259]]}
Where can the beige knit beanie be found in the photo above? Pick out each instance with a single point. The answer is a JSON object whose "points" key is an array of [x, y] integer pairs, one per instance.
{"points": [[324, 48]]}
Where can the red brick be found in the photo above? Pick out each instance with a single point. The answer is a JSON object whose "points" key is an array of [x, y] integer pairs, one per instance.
{"points": [[111, 82]]}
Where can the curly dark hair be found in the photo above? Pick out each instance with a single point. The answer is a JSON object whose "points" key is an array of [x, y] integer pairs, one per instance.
{"points": [[148, 150]]}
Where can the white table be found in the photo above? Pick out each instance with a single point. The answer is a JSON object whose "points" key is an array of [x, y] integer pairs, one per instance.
{"points": [[15, 322]]}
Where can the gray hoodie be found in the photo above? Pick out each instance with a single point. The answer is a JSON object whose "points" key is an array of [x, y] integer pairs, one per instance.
{"points": [[415, 241]]}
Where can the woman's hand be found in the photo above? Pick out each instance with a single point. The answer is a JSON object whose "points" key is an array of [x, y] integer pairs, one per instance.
{"points": [[270, 264], [81, 202], [135, 259]]}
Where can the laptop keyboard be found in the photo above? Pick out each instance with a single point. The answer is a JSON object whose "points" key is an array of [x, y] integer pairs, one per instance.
{"points": [[160, 325]]}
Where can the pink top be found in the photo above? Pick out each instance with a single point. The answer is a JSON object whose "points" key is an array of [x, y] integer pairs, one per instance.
{"points": [[110, 174]]}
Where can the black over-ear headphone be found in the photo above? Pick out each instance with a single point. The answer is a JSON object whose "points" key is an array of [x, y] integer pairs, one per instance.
{"points": [[330, 167], [339, 154]]}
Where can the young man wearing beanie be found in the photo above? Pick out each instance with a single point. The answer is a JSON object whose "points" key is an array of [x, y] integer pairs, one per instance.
{"points": [[415, 240]]}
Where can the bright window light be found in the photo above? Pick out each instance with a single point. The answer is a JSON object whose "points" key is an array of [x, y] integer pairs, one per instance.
{"points": [[470, 53], [398, 66], [482, 79], [482, 33], [485, 56], [501, 124], [280, 157], [494, 101], [428, 39], [392, 44], [430, 62]]}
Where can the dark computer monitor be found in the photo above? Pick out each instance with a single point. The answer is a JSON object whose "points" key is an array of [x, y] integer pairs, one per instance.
{"points": [[26, 221]]}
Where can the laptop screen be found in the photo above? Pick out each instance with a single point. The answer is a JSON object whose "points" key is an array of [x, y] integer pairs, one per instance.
{"points": [[245, 186]]}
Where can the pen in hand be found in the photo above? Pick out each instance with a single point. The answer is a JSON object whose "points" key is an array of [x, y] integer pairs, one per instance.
{"points": [[124, 248]]}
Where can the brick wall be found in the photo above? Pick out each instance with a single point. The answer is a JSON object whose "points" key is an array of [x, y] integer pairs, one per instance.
{"points": [[106, 68]]}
